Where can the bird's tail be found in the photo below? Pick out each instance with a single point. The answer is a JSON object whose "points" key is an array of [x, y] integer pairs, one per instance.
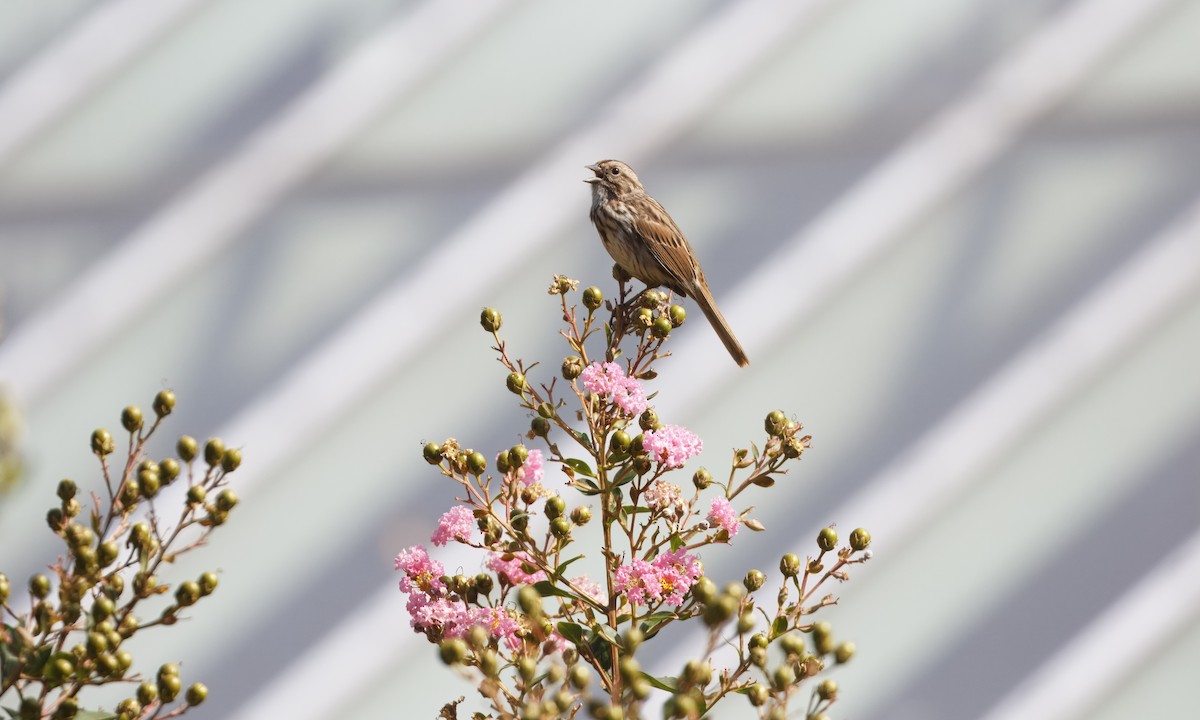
{"points": [[708, 306]]}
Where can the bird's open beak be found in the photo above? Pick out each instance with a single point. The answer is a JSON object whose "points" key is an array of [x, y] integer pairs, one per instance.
{"points": [[595, 169]]}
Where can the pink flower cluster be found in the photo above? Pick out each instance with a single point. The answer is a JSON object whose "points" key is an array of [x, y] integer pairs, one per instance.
{"points": [[609, 380], [513, 570], [665, 579], [456, 524], [721, 514], [435, 614], [532, 469], [671, 445]]}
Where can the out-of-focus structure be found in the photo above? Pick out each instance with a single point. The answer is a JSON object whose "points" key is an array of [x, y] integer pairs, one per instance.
{"points": [[960, 242]]}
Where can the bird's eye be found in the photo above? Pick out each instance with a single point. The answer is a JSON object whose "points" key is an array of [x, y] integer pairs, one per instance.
{"points": [[616, 171]]}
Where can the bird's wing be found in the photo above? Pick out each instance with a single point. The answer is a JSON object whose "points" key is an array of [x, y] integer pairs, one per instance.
{"points": [[666, 241]]}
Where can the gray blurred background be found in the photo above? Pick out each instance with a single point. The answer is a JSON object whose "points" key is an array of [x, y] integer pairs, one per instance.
{"points": [[959, 240]]}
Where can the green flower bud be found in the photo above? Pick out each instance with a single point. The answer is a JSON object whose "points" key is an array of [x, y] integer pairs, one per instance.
{"points": [[555, 506], [776, 423], [648, 420], [682, 706], [103, 608], [55, 519], [526, 667], [131, 418], [5, 588], [169, 687], [720, 610], [226, 500], [650, 299], [792, 644], [490, 319], [66, 489], [196, 694], [579, 676], [519, 522], [545, 410], [844, 652], [754, 580], [593, 298], [67, 709], [128, 709], [147, 693], [529, 600], [503, 466], [149, 485], [39, 586], [169, 469], [572, 367], [517, 455], [620, 275], [704, 590], [102, 442], [560, 527], [187, 593], [746, 622], [702, 479], [540, 426], [231, 459], [130, 492], [214, 450], [827, 539], [620, 441], [860, 539], [186, 448], [433, 453], [196, 494], [107, 553], [677, 315], [783, 677], [208, 583], [164, 403], [476, 463], [661, 327], [827, 690], [515, 383], [96, 643], [757, 694], [489, 663], [114, 585], [643, 318], [581, 515], [124, 660], [789, 565], [822, 633]]}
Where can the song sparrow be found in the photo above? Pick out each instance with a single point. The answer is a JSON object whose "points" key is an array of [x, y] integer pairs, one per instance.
{"points": [[643, 239]]}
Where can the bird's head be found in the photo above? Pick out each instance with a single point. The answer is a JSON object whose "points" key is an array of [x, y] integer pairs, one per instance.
{"points": [[614, 178]]}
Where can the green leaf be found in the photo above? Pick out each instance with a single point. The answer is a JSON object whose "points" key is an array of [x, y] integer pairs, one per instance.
{"points": [[625, 476], [571, 631], [653, 620], [546, 588], [754, 450], [605, 632], [778, 627], [565, 564], [666, 682], [587, 487], [635, 509], [580, 467], [10, 653], [676, 543]]}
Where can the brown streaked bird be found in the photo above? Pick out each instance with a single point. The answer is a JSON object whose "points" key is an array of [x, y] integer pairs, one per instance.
{"points": [[643, 239]]}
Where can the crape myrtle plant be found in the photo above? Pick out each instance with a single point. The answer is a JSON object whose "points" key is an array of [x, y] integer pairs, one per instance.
{"points": [[70, 634], [543, 641]]}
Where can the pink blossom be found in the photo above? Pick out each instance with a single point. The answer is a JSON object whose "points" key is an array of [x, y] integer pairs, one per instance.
{"points": [[499, 622], [609, 380], [662, 495], [456, 524], [723, 515], [589, 588], [532, 469], [666, 579], [421, 574], [677, 573], [638, 580], [512, 569], [671, 445]]}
